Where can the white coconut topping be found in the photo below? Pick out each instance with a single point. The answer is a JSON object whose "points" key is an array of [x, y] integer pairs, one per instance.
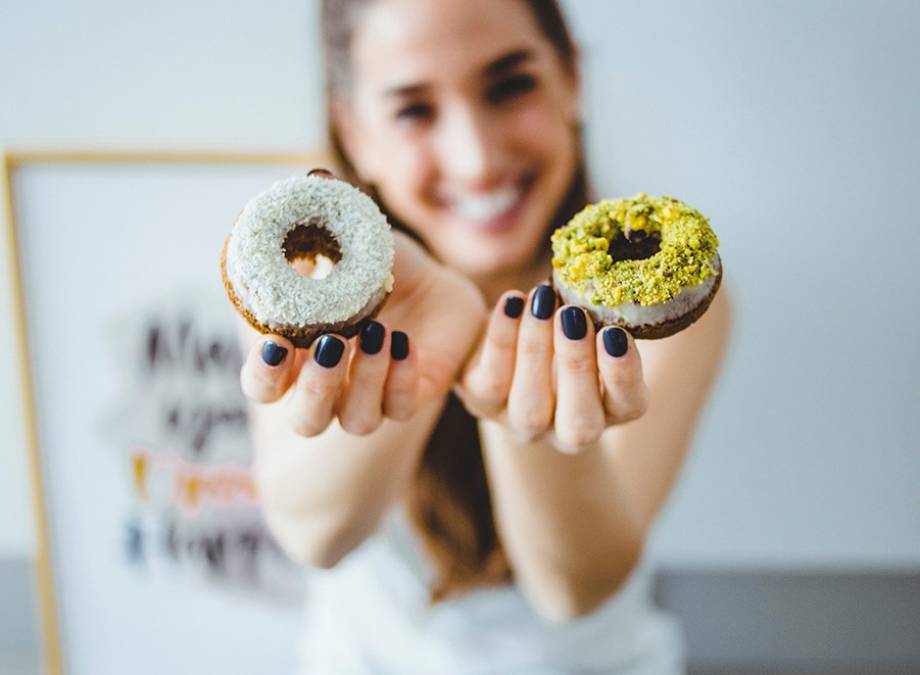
{"points": [[276, 294]]}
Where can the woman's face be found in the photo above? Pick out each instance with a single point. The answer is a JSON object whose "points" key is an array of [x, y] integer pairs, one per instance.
{"points": [[463, 116]]}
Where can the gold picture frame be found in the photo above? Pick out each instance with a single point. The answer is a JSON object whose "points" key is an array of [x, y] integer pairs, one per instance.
{"points": [[10, 162]]}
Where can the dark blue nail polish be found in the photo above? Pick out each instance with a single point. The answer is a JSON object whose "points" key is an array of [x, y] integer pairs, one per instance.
{"points": [[371, 337], [544, 302], [514, 306], [399, 345], [273, 354], [574, 325], [329, 350], [615, 341]]}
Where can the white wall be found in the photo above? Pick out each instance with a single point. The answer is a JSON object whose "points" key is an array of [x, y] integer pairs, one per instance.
{"points": [[793, 125], [16, 531], [790, 124], [209, 73], [170, 74]]}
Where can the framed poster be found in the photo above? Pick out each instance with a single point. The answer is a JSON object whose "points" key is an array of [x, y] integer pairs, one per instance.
{"points": [[153, 557]]}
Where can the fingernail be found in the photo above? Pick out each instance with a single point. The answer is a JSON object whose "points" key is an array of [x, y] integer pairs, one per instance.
{"points": [[372, 337], [273, 354], [573, 323], [329, 351], [514, 306], [544, 302], [321, 173], [615, 341], [399, 345]]}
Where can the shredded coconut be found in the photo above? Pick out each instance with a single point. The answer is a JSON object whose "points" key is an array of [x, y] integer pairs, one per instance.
{"points": [[276, 294]]}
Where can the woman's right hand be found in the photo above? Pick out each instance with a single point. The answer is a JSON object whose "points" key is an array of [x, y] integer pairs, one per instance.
{"points": [[409, 356]]}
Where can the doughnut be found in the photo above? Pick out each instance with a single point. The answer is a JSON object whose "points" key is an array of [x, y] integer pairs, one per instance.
{"points": [[314, 224], [647, 264]]}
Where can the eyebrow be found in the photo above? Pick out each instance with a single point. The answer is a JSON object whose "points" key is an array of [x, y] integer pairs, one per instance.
{"points": [[507, 62], [494, 69]]}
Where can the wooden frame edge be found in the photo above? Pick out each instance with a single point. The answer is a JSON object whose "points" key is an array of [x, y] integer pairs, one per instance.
{"points": [[44, 573], [16, 157], [10, 160]]}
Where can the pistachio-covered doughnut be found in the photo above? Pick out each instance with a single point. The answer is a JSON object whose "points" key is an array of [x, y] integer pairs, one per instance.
{"points": [[318, 219], [647, 264]]}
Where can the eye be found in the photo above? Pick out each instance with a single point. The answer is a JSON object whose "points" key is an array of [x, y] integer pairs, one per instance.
{"points": [[415, 112], [516, 85]]}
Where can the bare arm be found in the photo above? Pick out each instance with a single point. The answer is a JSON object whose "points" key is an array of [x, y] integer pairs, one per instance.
{"points": [[680, 371], [575, 502], [568, 527], [337, 442], [323, 495]]}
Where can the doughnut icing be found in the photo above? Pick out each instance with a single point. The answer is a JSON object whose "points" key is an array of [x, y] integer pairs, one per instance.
{"points": [[647, 264], [307, 217]]}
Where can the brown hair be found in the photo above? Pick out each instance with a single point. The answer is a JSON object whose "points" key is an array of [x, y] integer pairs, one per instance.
{"points": [[449, 502]]}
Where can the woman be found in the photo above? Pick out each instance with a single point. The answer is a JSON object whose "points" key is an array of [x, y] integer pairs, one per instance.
{"points": [[498, 528]]}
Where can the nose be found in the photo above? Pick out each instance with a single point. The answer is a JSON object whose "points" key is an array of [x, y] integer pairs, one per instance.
{"points": [[469, 148]]}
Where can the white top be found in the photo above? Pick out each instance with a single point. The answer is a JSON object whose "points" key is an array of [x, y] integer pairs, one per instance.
{"points": [[370, 614]]}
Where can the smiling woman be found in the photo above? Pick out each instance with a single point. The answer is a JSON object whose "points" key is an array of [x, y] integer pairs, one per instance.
{"points": [[476, 484], [464, 124]]}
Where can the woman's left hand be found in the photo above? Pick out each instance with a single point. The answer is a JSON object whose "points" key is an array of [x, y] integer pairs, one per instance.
{"points": [[597, 380]]}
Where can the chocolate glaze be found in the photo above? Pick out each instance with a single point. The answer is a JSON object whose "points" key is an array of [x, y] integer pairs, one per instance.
{"points": [[653, 331]]}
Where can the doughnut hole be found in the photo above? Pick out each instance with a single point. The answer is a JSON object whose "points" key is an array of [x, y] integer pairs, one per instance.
{"points": [[634, 245], [311, 250]]}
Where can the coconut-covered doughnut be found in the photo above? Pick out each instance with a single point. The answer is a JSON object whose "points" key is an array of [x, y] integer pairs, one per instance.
{"points": [[312, 224], [647, 264]]}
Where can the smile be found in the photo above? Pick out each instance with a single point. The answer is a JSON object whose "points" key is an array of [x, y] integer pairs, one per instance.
{"points": [[495, 210]]}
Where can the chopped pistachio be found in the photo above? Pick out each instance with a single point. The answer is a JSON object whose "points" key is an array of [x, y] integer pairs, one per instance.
{"points": [[687, 247]]}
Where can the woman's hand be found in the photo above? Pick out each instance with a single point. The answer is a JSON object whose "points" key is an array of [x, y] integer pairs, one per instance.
{"points": [[543, 373], [409, 356]]}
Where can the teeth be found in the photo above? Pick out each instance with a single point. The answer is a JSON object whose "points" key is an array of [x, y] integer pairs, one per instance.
{"points": [[485, 207]]}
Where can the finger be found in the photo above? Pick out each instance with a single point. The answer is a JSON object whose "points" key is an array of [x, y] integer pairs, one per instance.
{"points": [[530, 400], [400, 397], [360, 407], [625, 391], [486, 385], [579, 419], [317, 387], [267, 370]]}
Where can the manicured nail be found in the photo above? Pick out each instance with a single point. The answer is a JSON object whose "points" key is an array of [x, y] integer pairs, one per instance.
{"points": [[514, 306], [573, 323], [372, 337], [615, 341], [273, 354], [544, 302], [329, 351], [399, 345], [321, 173]]}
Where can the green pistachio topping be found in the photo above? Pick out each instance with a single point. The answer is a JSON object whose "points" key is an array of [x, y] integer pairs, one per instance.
{"points": [[582, 250]]}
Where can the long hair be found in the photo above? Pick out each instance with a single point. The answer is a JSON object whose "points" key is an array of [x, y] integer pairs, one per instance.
{"points": [[449, 503]]}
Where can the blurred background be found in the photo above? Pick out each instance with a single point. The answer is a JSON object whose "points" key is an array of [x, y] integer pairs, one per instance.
{"points": [[792, 543]]}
